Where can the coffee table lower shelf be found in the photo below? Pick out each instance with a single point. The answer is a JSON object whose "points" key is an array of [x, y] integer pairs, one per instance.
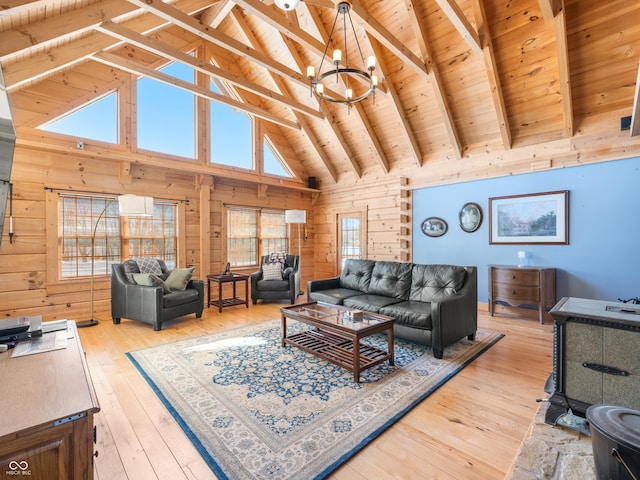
{"points": [[338, 350]]}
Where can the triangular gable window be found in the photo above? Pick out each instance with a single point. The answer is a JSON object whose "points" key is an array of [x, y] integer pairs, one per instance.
{"points": [[273, 163], [166, 114], [97, 120]]}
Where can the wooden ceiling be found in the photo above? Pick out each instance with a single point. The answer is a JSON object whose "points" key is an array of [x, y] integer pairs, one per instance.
{"points": [[458, 77]]}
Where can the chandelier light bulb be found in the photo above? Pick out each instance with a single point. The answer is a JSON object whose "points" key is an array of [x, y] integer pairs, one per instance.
{"points": [[337, 57], [371, 63], [349, 94], [311, 73]]}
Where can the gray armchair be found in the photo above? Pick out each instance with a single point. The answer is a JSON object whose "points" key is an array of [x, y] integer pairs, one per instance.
{"points": [[286, 288], [150, 304]]}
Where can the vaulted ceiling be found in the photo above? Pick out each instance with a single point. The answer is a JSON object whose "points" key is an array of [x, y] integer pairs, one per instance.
{"points": [[457, 77]]}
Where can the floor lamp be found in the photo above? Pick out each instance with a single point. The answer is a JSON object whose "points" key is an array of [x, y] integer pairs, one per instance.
{"points": [[128, 206], [299, 217]]}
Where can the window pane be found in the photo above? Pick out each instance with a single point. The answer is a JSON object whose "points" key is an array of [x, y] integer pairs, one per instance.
{"points": [[242, 237], [166, 114], [80, 216], [273, 232], [231, 136], [97, 120]]}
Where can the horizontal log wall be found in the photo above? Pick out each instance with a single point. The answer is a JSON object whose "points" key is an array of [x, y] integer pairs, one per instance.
{"points": [[24, 286]]}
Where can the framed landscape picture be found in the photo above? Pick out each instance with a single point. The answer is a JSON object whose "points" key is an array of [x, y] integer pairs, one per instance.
{"points": [[536, 218]]}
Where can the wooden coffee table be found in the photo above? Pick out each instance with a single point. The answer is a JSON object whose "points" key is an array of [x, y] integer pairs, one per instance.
{"points": [[336, 338]]}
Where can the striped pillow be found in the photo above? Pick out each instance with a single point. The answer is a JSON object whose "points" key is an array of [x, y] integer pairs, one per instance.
{"points": [[272, 271]]}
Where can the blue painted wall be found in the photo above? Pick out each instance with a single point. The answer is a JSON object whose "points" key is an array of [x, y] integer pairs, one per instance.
{"points": [[602, 260]]}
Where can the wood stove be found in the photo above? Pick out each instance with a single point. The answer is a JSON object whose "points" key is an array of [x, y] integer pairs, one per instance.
{"points": [[596, 356]]}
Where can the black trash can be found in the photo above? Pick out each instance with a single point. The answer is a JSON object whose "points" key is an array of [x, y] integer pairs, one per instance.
{"points": [[615, 439]]}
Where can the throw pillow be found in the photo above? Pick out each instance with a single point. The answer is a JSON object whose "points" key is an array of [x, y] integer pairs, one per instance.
{"points": [[278, 257], [150, 280], [272, 271], [179, 277], [149, 265], [130, 267]]}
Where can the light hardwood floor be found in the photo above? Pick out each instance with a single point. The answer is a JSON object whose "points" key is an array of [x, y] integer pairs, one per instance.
{"points": [[470, 428]]}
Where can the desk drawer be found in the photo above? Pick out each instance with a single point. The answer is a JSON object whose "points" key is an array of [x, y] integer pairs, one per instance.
{"points": [[516, 293], [517, 277]]}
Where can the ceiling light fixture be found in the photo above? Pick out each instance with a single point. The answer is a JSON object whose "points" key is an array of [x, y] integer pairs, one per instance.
{"points": [[353, 90], [287, 5]]}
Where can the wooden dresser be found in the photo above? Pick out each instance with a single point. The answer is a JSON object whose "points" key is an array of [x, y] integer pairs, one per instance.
{"points": [[519, 286], [47, 403]]}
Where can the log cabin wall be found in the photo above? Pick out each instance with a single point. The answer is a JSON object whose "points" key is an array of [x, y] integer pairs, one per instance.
{"points": [[26, 289]]}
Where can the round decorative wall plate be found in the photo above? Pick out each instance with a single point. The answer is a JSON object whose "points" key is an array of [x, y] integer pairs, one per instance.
{"points": [[434, 227]]}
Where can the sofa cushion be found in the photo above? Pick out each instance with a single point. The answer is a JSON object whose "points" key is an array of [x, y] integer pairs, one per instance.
{"points": [[179, 277], [179, 297], [335, 296], [431, 282], [410, 313], [391, 279], [356, 274], [272, 271], [370, 303]]}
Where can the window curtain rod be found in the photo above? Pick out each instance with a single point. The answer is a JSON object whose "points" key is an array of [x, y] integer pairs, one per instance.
{"points": [[69, 190]]}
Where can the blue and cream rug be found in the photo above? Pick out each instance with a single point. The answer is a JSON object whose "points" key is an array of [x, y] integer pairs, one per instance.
{"points": [[255, 410]]}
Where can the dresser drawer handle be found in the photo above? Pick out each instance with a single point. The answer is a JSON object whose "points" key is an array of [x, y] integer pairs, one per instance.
{"points": [[513, 292], [605, 369]]}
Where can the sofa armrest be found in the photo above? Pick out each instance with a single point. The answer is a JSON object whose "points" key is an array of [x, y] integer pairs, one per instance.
{"points": [[323, 284], [455, 316]]}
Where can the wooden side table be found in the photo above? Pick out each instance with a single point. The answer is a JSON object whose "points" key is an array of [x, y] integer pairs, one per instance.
{"points": [[517, 286], [234, 300]]}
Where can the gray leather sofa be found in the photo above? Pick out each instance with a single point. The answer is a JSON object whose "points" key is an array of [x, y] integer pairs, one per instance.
{"points": [[150, 304], [434, 305]]}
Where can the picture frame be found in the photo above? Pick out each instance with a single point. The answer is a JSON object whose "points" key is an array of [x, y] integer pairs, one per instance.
{"points": [[434, 227], [470, 217], [534, 219]]}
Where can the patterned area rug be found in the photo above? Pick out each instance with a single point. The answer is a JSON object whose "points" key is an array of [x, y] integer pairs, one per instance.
{"points": [[255, 410]]}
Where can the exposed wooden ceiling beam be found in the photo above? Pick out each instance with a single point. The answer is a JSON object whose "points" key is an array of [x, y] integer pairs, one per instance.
{"points": [[49, 61], [492, 73], [216, 37], [305, 126], [213, 15], [550, 9], [397, 107], [386, 38], [420, 32], [456, 16], [13, 7], [280, 23], [137, 69], [560, 27], [635, 113], [200, 65], [31, 36]]}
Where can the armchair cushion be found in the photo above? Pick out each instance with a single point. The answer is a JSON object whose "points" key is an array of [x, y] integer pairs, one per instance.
{"points": [[286, 272], [150, 280], [149, 265], [179, 277], [272, 271]]}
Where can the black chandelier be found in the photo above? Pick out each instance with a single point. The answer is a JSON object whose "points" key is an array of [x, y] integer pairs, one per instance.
{"points": [[355, 91]]}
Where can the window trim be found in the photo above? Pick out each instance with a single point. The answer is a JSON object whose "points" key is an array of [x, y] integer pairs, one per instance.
{"points": [[55, 283]]}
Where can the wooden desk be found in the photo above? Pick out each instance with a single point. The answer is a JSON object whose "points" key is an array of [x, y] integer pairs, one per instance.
{"points": [[234, 300], [47, 405]]}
